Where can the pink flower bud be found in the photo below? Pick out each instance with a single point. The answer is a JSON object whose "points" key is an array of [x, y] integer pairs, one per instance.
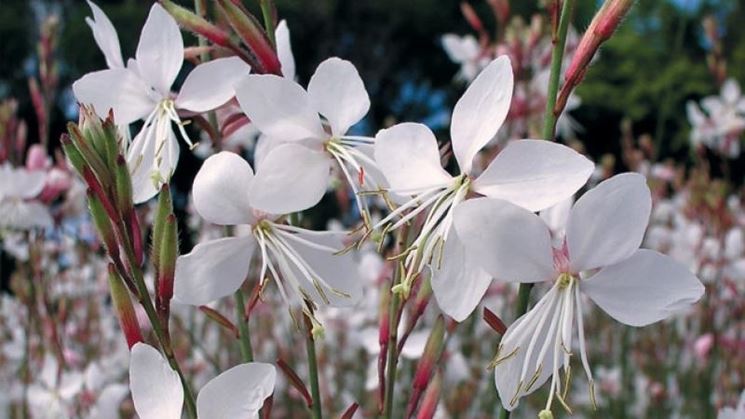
{"points": [[703, 346], [37, 159]]}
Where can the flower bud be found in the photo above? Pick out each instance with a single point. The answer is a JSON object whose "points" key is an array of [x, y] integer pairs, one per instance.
{"points": [[164, 209], [250, 31], [432, 352], [124, 309], [218, 318], [167, 264], [294, 380], [103, 224], [431, 398]]}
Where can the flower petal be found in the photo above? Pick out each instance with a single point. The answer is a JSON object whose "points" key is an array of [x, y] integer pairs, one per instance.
{"points": [[517, 339], [160, 51], [607, 223], [213, 270], [731, 91], [211, 84], [338, 93], [481, 111], [221, 189], [339, 271], [237, 393], [644, 288], [119, 89], [106, 37], [279, 108], [460, 284], [407, 155], [292, 178], [534, 174], [284, 50], [460, 48], [509, 242], [156, 388]]}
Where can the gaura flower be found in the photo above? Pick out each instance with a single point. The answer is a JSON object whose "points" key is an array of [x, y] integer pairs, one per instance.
{"points": [[302, 263], [534, 174], [142, 91], [736, 412], [237, 393], [290, 118], [599, 257], [18, 187], [466, 51], [719, 125]]}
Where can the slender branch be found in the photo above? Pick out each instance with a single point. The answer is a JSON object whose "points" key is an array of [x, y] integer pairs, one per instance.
{"points": [[245, 338], [313, 370], [557, 58]]}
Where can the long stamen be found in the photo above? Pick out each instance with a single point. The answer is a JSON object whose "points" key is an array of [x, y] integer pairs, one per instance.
{"points": [[582, 347]]}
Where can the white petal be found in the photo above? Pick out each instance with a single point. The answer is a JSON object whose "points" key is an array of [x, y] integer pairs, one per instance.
{"points": [[481, 111], [221, 189], [407, 155], [556, 217], [292, 178], [534, 174], [731, 91], [119, 90], [509, 242], [156, 388], [607, 223], [106, 37], [338, 271], [460, 48], [213, 270], [211, 84], [160, 51], [338, 93], [284, 50], [279, 108], [644, 288], [460, 283], [24, 215], [107, 404], [237, 393], [141, 164], [23, 183], [507, 374]]}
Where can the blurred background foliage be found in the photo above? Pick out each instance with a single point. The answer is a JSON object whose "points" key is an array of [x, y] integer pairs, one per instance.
{"points": [[646, 73]]}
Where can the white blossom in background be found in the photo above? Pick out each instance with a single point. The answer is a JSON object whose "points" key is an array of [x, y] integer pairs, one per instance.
{"points": [[534, 174], [53, 393], [18, 209], [719, 121], [466, 51], [303, 263], [290, 118], [142, 90], [599, 257], [238, 392], [737, 412]]}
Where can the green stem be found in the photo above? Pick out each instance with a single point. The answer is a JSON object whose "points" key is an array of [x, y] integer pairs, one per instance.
{"points": [[245, 339], [313, 371], [557, 57], [549, 128], [392, 362], [266, 12]]}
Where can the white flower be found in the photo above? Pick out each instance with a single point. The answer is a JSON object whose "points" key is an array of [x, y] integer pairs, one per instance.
{"points": [[305, 261], [53, 395], [720, 126], [284, 50], [18, 187], [738, 412], [466, 51], [237, 393], [600, 257], [142, 91], [534, 174], [290, 118]]}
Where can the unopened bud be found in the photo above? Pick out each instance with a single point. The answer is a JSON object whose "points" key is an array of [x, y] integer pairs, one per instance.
{"points": [[253, 36], [124, 308], [103, 224], [471, 16], [431, 398], [432, 352], [167, 263], [164, 209], [295, 381], [218, 318]]}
